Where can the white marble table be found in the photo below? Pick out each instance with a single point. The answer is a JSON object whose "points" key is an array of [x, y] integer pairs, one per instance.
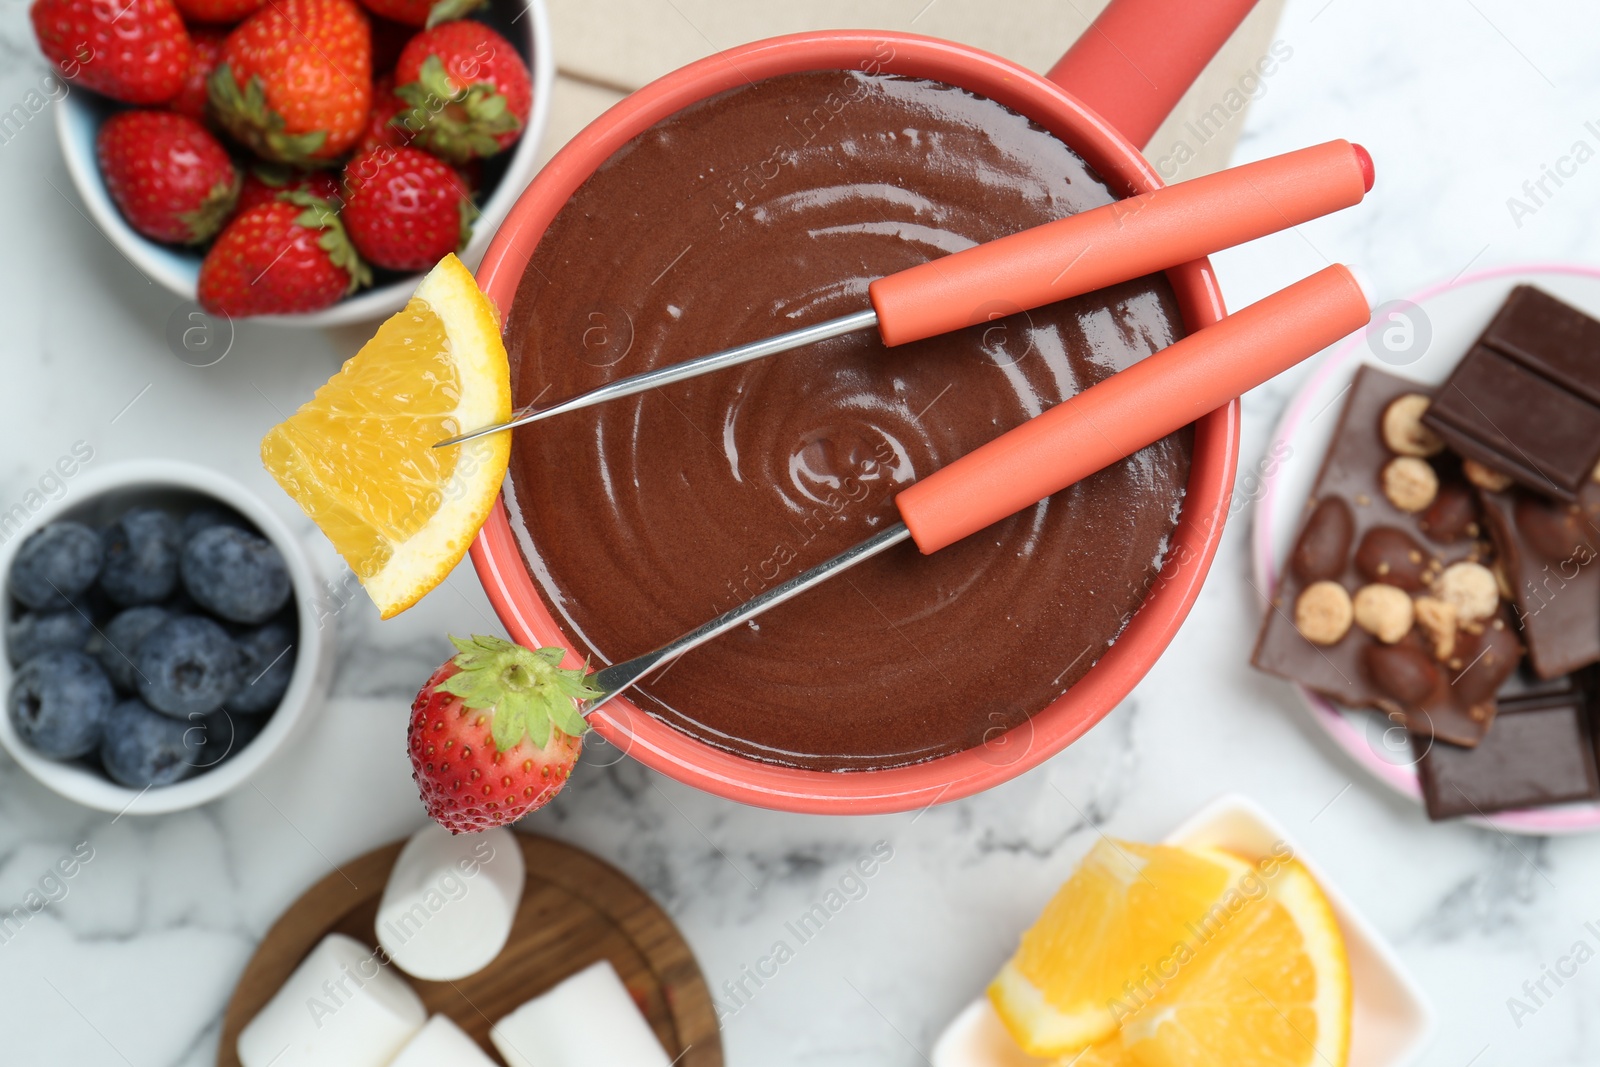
{"points": [[1461, 102]]}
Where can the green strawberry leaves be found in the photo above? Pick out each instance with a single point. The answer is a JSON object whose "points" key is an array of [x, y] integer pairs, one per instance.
{"points": [[247, 118], [320, 215], [204, 221], [526, 690], [455, 124]]}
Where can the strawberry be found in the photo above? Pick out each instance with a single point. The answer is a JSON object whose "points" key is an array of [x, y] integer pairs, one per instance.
{"points": [[263, 183], [218, 12], [171, 179], [295, 81], [422, 12], [495, 732], [381, 127], [285, 256], [135, 51], [405, 209], [206, 49], [468, 90]]}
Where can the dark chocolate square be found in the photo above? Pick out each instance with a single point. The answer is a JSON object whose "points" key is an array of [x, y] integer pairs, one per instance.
{"points": [[1494, 410], [1551, 337], [1540, 752], [1526, 399]]}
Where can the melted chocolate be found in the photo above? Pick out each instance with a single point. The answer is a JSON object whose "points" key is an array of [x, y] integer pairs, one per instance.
{"points": [[766, 208]]}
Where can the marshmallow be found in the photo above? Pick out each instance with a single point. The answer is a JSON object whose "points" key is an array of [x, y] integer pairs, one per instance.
{"points": [[442, 1044], [588, 1019], [450, 902], [340, 1008]]}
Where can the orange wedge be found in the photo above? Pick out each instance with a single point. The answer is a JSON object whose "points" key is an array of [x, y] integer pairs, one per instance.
{"points": [[1119, 915], [1272, 989], [358, 457]]}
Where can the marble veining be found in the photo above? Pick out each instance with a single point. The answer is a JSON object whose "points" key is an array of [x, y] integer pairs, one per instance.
{"points": [[133, 960]]}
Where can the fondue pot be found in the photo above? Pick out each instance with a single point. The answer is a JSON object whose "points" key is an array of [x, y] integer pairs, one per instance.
{"points": [[1104, 99]]}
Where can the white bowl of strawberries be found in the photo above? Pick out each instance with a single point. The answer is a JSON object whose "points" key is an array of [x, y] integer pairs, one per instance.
{"points": [[298, 160]]}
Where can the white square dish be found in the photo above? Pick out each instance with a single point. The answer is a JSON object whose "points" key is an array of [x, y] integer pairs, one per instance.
{"points": [[1393, 1021]]}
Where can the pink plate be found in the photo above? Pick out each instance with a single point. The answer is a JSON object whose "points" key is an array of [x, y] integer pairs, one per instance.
{"points": [[1421, 338]]}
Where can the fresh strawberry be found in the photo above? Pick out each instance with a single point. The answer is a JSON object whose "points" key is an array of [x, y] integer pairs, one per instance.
{"points": [[468, 90], [422, 12], [405, 209], [495, 733], [136, 52], [263, 183], [203, 56], [381, 127], [295, 81], [217, 12], [171, 179], [285, 256]]}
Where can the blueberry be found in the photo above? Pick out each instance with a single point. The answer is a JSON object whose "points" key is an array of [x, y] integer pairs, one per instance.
{"points": [[122, 636], [143, 748], [56, 562], [59, 703], [221, 736], [268, 666], [187, 666], [207, 517], [34, 632], [235, 574], [141, 557]]}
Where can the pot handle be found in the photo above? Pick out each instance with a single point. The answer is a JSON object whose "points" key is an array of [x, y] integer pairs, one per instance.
{"points": [[1139, 57]]}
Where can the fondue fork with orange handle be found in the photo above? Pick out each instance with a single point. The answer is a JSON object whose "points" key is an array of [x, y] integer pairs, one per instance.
{"points": [[1100, 426], [1078, 254]]}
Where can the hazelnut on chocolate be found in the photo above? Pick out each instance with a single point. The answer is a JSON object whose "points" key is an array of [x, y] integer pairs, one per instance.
{"points": [[1325, 542], [1404, 672], [1392, 556], [1409, 483], [1383, 611], [1403, 431], [1323, 613], [1452, 515], [1437, 618], [1470, 588], [1485, 477]]}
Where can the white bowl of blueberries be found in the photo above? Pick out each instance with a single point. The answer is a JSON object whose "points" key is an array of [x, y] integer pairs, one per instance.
{"points": [[162, 638]]}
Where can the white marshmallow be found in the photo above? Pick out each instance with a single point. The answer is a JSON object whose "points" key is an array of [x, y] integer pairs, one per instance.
{"points": [[450, 902], [588, 1019], [340, 1008], [442, 1044]]}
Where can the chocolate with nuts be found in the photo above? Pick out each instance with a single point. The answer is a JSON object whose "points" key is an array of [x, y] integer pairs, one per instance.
{"points": [[1390, 600]]}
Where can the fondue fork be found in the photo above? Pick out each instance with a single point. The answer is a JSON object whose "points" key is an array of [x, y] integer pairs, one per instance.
{"points": [[1078, 254], [1083, 434]]}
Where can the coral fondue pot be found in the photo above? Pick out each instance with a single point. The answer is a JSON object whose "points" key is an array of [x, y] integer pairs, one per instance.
{"points": [[1104, 100]]}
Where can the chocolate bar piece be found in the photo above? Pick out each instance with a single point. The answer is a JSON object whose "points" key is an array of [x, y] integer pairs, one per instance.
{"points": [[1525, 401], [1389, 599], [1540, 752], [1548, 551]]}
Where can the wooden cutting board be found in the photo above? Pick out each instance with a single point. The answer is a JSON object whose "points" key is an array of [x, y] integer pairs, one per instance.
{"points": [[576, 910]]}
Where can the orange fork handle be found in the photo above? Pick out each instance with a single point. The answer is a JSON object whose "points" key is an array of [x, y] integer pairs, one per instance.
{"points": [[1119, 241], [1120, 415]]}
